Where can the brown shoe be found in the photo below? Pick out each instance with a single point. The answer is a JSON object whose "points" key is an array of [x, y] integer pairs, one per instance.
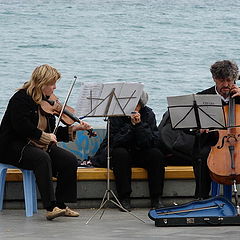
{"points": [[56, 212], [70, 213]]}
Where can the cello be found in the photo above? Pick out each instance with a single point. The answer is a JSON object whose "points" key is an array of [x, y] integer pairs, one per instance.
{"points": [[224, 158]]}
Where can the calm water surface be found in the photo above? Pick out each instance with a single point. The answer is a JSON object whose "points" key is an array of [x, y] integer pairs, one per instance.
{"points": [[167, 45]]}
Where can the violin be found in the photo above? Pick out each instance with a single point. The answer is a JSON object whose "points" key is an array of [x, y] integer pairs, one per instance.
{"points": [[52, 105], [224, 158]]}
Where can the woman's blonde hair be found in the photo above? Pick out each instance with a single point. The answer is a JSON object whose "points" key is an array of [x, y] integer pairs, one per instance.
{"points": [[41, 75]]}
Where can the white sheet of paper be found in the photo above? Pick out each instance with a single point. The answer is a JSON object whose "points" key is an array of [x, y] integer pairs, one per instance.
{"points": [[86, 100], [94, 99], [103, 108], [130, 93], [210, 111], [181, 112], [183, 116]]}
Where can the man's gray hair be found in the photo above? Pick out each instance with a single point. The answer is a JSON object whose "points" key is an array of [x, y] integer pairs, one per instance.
{"points": [[225, 69], [143, 99]]}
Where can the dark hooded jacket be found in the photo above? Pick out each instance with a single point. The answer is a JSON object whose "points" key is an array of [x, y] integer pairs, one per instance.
{"points": [[132, 137]]}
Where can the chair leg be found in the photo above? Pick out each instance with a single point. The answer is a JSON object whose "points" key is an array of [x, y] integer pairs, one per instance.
{"points": [[3, 172], [215, 189], [227, 192], [28, 192], [29, 187], [34, 193]]}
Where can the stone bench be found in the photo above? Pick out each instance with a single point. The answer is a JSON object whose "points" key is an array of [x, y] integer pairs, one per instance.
{"points": [[83, 174]]}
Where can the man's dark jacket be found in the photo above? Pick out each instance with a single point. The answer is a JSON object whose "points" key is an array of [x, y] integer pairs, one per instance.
{"points": [[212, 90], [210, 139]]}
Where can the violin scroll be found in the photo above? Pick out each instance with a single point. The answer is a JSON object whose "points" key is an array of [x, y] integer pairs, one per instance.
{"points": [[91, 133]]}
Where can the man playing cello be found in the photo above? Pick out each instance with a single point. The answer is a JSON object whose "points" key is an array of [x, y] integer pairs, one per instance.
{"points": [[224, 74]]}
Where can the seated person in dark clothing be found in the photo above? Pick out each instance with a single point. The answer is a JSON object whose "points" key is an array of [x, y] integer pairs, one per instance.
{"points": [[28, 138], [177, 145], [133, 141]]}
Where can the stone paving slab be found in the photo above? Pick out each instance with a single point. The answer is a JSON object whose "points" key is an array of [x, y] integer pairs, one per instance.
{"points": [[113, 225]]}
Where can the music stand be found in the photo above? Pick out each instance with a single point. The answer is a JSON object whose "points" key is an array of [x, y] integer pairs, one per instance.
{"points": [[105, 103], [197, 112]]}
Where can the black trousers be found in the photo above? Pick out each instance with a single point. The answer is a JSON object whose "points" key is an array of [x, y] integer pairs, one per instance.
{"points": [[59, 163], [151, 159]]}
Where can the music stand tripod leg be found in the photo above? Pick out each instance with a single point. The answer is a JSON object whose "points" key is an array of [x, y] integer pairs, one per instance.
{"points": [[97, 211], [118, 204], [200, 165], [108, 190]]}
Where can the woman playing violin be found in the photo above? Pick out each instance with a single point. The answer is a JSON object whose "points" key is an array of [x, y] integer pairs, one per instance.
{"points": [[26, 132], [224, 74]]}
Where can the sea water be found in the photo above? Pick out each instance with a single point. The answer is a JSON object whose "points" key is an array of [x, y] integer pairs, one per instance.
{"points": [[168, 45]]}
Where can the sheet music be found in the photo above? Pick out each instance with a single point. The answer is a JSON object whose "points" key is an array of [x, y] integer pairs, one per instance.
{"points": [[129, 92], [212, 113], [106, 90], [209, 109], [180, 108], [88, 98], [97, 99]]}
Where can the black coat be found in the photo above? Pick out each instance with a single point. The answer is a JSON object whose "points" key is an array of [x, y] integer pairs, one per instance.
{"points": [[212, 90], [19, 124], [132, 137], [210, 139]]}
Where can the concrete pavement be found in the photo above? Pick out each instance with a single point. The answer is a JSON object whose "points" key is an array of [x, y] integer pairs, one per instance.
{"points": [[113, 225]]}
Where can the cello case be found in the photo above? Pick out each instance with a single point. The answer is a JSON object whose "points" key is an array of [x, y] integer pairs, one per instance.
{"points": [[211, 212]]}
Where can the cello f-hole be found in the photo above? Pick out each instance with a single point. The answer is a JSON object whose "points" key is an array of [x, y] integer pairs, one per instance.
{"points": [[222, 144]]}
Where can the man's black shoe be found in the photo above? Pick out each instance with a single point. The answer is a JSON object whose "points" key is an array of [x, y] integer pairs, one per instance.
{"points": [[125, 204], [156, 203]]}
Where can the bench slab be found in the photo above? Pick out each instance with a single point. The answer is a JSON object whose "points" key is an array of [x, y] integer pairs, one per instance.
{"points": [[171, 172]]}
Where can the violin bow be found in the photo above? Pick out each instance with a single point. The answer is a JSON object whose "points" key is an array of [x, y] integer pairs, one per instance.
{"points": [[64, 104], [192, 210]]}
